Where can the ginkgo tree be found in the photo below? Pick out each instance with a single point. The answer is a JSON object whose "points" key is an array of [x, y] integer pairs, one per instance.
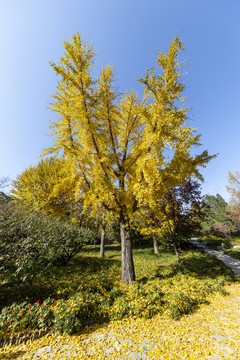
{"points": [[126, 150], [48, 186]]}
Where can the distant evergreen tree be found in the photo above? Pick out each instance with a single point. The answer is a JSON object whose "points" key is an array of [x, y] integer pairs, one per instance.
{"points": [[218, 220], [3, 197]]}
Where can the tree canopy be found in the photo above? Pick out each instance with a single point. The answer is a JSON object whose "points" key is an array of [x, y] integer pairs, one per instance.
{"points": [[217, 219], [176, 215], [125, 151], [48, 186]]}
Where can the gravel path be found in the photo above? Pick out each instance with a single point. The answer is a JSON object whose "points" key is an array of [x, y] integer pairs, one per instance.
{"points": [[230, 262]]}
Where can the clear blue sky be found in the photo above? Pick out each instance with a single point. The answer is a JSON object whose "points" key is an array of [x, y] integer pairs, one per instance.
{"points": [[126, 34]]}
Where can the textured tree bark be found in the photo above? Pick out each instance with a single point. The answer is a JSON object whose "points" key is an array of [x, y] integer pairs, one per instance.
{"points": [[128, 271], [155, 244], [102, 245]]}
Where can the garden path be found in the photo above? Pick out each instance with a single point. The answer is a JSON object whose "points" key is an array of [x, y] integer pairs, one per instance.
{"points": [[234, 264]]}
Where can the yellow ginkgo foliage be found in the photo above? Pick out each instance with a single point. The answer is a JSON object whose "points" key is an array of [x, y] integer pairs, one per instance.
{"points": [[48, 186], [125, 150]]}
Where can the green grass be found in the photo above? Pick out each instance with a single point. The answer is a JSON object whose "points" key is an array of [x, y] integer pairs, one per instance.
{"points": [[235, 253], [215, 242], [90, 288]]}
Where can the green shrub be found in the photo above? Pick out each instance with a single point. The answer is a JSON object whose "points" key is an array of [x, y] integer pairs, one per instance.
{"points": [[18, 317], [96, 284], [72, 315], [114, 293], [30, 242], [179, 304], [120, 308]]}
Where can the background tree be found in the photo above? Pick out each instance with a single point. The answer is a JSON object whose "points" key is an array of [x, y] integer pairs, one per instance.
{"points": [[4, 197], [125, 151], [234, 203], [103, 234], [217, 220], [147, 224], [4, 182], [234, 184], [177, 215], [48, 186]]}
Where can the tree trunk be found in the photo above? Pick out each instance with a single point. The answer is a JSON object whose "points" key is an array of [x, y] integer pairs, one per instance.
{"points": [[177, 254], [128, 271], [155, 244], [102, 245]]}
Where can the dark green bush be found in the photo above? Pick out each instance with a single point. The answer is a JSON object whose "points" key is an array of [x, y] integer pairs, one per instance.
{"points": [[25, 315], [30, 242]]}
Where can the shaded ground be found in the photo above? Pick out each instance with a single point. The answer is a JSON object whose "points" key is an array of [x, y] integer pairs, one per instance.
{"points": [[62, 282]]}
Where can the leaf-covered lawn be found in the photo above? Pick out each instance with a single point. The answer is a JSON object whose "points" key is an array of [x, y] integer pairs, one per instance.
{"points": [[212, 332], [87, 298]]}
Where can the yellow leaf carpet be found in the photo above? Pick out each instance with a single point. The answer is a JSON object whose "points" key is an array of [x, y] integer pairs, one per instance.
{"points": [[212, 332]]}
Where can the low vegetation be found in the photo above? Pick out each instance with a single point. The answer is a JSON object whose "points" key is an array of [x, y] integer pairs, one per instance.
{"points": [[230, 246], [88, 290], [31, 241]]}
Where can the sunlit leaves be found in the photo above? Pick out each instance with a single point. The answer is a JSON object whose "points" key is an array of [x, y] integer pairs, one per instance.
{"points": [[119, 144], [48, 186]]}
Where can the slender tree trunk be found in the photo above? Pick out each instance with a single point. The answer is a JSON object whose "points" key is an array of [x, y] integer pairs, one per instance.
{"points": [[128, 271], [102, 245], [177, 254], [155, 244]]}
